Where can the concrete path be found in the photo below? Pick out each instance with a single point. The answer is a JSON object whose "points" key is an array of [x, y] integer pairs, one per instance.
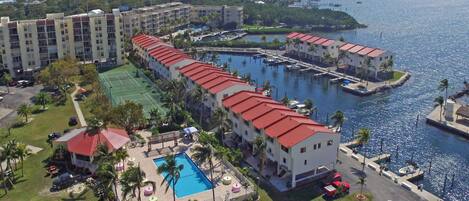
{"points": [[76, 105]]}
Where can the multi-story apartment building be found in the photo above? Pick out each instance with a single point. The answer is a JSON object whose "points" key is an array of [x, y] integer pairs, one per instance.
{"points": [[152, 19], [28, 45], [223, 14], [298, 148], [373, 63]]}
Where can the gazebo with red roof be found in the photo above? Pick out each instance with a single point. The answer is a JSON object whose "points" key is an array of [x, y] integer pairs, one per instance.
{"points": [[82, 144]]}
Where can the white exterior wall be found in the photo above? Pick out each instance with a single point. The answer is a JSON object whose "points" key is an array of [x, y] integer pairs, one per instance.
{"points": [[231, 90]]}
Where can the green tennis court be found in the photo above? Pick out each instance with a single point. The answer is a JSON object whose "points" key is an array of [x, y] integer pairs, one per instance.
{"points": [[122, 83]]}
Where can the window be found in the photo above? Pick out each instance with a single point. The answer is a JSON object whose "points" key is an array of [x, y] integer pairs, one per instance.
{"points": [[245, 132], [315, 147], [330, 142], [258, 130], [303, 150], [319, 145], [246, 122], [306, 162], [284, 149], [284, 160]]}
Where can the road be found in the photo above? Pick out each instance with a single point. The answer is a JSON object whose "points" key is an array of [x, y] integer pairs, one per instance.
{"points": [[381, 188]]}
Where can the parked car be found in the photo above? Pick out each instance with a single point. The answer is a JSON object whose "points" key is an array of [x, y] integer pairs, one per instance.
{"points": [[25, 83], [72, 121], [1, 98], [331, 190]]}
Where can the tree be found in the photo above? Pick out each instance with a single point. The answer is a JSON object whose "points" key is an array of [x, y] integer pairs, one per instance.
{"points": [[133, 180], [128, 115], [22, 151], [362, 182], [339, 118], [203, 154], [309, 104], [59, 73], [363, 136], [24, 110], [220, 118], [264, 38], [102, 155], [42, 99], [285, 100], [259, 150], [6, 80], [173, 171], [9, 151], [89, 74], [120, 155], [439, 102], [107, 175], [155, 116], [199, 95], [444, 84], [266, 86]]}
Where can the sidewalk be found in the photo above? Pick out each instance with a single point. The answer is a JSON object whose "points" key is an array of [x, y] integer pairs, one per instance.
{"points": [[76, 105]]}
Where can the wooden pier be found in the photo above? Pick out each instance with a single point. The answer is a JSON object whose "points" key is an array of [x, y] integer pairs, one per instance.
{"points": [[381, 158], [418, 175]]}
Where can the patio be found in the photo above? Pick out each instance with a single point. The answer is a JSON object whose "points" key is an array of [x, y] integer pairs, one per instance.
{"points": [[144, 159]]}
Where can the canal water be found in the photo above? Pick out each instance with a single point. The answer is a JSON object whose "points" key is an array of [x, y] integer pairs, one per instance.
{"points": [[431, 40]]}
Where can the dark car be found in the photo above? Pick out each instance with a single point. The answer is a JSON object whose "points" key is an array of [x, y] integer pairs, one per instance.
{"points": [[73, 121]]}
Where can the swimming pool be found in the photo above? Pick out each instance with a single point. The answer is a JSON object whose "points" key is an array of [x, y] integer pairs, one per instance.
{"points": [[192, 179]]}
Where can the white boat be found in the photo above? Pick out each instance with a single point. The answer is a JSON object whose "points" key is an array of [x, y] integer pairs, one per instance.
{"points": [[410, 169], [269, 60], [292, 104]]}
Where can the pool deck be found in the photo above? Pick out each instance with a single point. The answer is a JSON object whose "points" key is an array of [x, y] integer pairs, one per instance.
{"points": [[148, 166]]}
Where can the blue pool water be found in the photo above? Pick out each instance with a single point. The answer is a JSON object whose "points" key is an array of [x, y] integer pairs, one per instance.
{"points": [[192, 179]]}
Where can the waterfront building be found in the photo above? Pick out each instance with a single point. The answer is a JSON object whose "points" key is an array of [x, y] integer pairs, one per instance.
{"points": [[153, 19], [218, 14], [351, 58], [28, 45], [298, 148]]}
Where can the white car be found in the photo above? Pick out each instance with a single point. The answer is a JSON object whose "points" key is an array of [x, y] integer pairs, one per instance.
{"points": [[1, 98]]}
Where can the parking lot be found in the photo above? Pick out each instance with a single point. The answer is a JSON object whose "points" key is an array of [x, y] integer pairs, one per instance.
{"points": [[11, 101]]}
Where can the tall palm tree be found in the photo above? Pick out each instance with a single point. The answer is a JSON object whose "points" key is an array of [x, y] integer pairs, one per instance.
{"points": [[259, 150], [24, 110], [107, 175], [363, 137], [7, 79], [203, 154], [9, 150], [221, 119], [132, 180], [444, 84], [22, 151], [42, 99], [120, 155], [173, 171], [198, 94], [339, 118], [362, 182], [285, 100], [102, 155], [439, 102], [296, 43]]}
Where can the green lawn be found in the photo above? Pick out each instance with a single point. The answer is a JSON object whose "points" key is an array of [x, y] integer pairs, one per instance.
{"points": [[397, 75], [35, 185]]}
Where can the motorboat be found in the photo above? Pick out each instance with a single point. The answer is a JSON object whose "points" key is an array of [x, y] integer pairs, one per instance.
{"points": [[410, 169], [292, 104]]}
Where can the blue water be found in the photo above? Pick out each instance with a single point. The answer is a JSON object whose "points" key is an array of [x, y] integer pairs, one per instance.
{"points": [[431, 40], [192, 179]]}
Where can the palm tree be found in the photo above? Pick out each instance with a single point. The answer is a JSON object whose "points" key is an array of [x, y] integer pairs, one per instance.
{"points": [[259, 150], [266, 86], [363, 137], [132, 180], [444, 84], [221, 119], [339, 118], [285, 100], [107, 175], [102, 155], [120, 155], [173, 171], [21, 152], [264, 38], [198, 94], [439, 102], [42, 99], [362, 182], [203, 154], [9, 150], [155, 116], [309, 104], [296, 43], [24, 110], [7, 79]]}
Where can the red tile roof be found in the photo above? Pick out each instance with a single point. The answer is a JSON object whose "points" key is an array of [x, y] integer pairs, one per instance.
{"points": [[306, 37], [315, 38], [365, 51], [145, 41], [227, 84], [289, 127], [356, 49], [292, 35], [328, 43], [376, 53], [322, 40], [346, 46], [85, 143]]}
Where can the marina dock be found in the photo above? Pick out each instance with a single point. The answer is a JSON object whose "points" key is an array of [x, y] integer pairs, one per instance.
{"points": [[450, 122], [355, 86]]}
